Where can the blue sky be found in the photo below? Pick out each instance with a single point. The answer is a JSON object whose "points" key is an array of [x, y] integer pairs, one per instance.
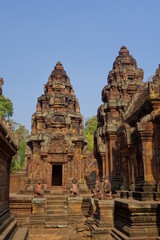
{"points": [[84, 35]]}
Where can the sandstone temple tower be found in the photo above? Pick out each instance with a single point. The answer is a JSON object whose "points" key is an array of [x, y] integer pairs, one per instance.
{"points": [[124, 80], [55, 148]]}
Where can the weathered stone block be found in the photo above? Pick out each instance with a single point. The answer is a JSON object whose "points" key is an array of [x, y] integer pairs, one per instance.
{"points": [[75, 206], [38, 205], [136, 219]]}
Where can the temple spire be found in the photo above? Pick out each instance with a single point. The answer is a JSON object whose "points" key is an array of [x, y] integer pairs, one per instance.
{"points": [[59, 73], [59, 66], [124, 51]]}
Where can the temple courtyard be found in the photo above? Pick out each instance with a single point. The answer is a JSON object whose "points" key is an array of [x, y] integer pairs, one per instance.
{"points": [[64, 192]]}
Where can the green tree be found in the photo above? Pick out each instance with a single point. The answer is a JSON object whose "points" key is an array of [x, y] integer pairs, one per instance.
{"points": [[90, 128], [20, 133], [6, 107]]}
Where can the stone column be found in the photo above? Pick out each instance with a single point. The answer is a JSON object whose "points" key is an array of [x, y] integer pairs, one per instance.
{"points": [[112, 160], [112, 151], [39, 205], [104, 216], [78, 160], [107, 165], [78, 166], [103, 166], [133, 160], [145, 190], [148, 161], [75, 209]]}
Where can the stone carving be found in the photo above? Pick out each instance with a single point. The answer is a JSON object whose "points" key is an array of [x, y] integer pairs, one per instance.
{"points": [[39, 189], [74, 188], [97, 191], [107, 189]]}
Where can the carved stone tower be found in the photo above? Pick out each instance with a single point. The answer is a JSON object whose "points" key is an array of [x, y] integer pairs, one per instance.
{"points": [[124, 80], [55, 148]]}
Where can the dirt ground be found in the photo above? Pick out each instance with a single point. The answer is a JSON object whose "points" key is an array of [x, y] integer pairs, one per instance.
{"points": [[69, 233]]}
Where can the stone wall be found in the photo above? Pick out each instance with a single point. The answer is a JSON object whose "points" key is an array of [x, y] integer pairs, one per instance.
{"points": [[7, 150], [18, 181]]}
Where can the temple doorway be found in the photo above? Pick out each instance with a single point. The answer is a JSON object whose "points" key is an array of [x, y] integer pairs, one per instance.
{"points": [[57, 175]]}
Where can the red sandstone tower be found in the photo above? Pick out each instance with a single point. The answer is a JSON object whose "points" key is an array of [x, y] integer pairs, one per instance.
{"points": [[124, 80], [55, 148]]}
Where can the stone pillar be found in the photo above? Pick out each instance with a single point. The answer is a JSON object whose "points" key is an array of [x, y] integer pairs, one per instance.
{"points": [[112, 151], [112, 160], [48, 174], [136, 219], [40, 124], [103, 166], [78, 160], [107, 165], [78, 166], [148, 161], [75, 209], [104, 216], [145, 190], [133, 160], [38, 205]]}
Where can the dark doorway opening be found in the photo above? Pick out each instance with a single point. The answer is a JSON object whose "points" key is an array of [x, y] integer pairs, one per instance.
{"points": [[56, 175]]}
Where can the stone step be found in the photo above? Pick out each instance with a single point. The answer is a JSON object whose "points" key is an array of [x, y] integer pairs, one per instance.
{"points": [[52, 202], [8, 233], [4, 216], [5, 224], [59, 191], [57, 211], [21, 234], [56, 224], [52, 217], [63, 198], [37, 220], [56, 207], [117, 235], [98, 230]]}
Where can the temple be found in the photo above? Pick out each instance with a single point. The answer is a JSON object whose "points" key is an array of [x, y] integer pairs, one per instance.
{"points": [[122, 199], [55, 148], [124, 80], [127, 147]]}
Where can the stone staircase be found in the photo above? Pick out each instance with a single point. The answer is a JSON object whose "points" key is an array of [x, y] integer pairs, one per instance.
{"points": [[9, 230], [117, 235], [56, 211]]}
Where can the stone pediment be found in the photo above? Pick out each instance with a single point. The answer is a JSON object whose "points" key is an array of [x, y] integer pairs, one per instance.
{"points": [[58, 145]]}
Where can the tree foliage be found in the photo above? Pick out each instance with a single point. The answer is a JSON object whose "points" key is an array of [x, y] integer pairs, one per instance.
{"points": [[90, 128], [6, 107], [20, 133]]}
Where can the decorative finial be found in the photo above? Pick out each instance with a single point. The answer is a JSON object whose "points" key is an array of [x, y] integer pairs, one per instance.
{"points": [[124, 51], [157, 74], [59, 66]]}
